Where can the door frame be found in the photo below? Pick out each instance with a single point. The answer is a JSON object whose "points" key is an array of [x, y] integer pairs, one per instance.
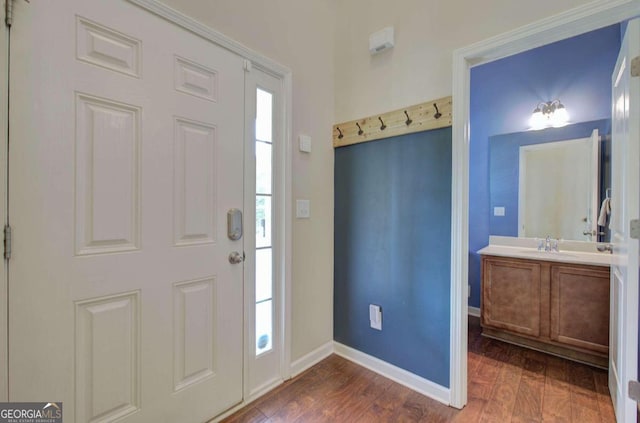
{"points": [[555, 28], [283, 161], [4, 171]]}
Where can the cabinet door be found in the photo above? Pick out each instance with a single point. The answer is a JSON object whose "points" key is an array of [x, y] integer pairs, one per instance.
{"points": [[511, 295], [580, 306]]}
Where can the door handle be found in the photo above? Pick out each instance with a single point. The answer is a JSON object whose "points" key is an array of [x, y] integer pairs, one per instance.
{"points": [[236, 258]]}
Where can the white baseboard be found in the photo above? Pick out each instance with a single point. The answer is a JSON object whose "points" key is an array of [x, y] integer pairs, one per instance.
{"points": [[403, 377], [474, 311], [314, 357]]}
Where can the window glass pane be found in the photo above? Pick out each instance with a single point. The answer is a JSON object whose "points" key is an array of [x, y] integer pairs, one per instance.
{"points": [[264, 105], [263, 221], [263, 168], [264, 333], [263, 275]]}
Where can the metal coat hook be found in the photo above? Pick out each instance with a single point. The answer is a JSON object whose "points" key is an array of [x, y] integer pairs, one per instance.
{"points": [[360, 131], [408, 121], [340, 132], [382, 126], [438, 114]]}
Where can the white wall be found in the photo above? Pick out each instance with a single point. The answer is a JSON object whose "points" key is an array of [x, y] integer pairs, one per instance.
{"points": [[419, 68], [298, 34]]}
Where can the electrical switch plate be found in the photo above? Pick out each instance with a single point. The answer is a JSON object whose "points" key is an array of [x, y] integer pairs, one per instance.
{"points": [[305, 143], [375, 316], [303, 209], [498, 211]]}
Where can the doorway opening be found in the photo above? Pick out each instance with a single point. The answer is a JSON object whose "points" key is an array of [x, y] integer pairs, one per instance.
{"points": [[571, 23]]}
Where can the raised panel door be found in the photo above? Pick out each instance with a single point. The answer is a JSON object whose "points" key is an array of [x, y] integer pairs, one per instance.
{"points": [[127, 151]]}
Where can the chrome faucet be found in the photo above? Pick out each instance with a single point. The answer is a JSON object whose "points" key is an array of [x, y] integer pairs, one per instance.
{"points": [[547, 243], [551, 244]]}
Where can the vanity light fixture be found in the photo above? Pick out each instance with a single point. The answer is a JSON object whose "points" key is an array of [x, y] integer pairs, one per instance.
{"points": [[550, 113]]}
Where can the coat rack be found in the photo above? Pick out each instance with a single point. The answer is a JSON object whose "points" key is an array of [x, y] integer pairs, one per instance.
{"points": [[421, 117]]}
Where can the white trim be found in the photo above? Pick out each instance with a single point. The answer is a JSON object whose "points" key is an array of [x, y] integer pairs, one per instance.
{"points": [[564, 25], [284, 73], [287, 227], [4, 287], [210, 34], [474, 311], [401, 376], [314, 357]]}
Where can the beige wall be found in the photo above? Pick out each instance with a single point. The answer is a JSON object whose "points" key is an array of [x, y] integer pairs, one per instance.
{"points": [[427, 32], [297, 34]]}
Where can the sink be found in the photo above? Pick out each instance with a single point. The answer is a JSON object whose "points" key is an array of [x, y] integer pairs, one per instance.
{"points": [[525, 248]]}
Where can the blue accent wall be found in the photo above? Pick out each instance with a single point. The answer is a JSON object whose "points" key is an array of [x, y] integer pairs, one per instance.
{"points": [[504, 163], [392, 248], [503, 95]]}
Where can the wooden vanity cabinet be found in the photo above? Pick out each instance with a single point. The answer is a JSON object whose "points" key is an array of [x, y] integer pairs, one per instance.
{"points": [[555, 307], [511, 295]]}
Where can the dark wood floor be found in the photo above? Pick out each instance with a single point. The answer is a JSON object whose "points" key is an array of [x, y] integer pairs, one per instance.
{"points": [[506, 383]]}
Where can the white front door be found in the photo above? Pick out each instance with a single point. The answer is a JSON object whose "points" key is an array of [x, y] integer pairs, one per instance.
{"points": [[126, 137], [625, 141]]}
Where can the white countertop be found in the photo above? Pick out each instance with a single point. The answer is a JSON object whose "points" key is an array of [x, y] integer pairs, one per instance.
{"points": [[575, 253]]}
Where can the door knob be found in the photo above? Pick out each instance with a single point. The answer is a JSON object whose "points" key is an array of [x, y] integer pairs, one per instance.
{"points": [[235, 257]]}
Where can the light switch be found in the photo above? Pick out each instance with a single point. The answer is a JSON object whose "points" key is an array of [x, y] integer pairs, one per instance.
{"points": [[305, 143], [498, 211], [303, 209]]}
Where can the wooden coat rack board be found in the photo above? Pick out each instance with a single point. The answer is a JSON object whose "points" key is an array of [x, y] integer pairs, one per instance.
{"points": [[421, 117]]}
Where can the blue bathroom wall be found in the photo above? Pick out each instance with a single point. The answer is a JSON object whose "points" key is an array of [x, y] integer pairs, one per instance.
{"points": [[504, 163], [503, 95], [393, 247]]}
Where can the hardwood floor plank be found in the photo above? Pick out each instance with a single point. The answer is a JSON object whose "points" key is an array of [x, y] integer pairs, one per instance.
{"points": [[471, 412], [483, 381], [503, 397], [556, 403], [580, 376], [247, 415], [293, 409], [528, 405], [605, 405], [556, 369]]}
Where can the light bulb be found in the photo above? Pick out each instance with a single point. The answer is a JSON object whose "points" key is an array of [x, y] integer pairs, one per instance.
{"points": [[537, 120], [560, 117]]}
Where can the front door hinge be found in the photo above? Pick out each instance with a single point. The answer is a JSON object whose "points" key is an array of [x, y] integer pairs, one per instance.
{"points": [[247, 65], [634, 390], [7, 242], [635, 67], [634, 229], [8, 12]]}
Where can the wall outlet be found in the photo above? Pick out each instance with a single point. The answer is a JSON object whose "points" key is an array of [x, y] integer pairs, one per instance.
{"points": [[375, 316], [498, 211]]}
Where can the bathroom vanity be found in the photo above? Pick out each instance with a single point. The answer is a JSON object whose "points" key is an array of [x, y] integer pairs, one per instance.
{"points": [[557, 302]]}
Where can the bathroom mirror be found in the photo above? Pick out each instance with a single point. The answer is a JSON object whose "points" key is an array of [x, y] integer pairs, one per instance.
{"points": [[549, 182]]}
